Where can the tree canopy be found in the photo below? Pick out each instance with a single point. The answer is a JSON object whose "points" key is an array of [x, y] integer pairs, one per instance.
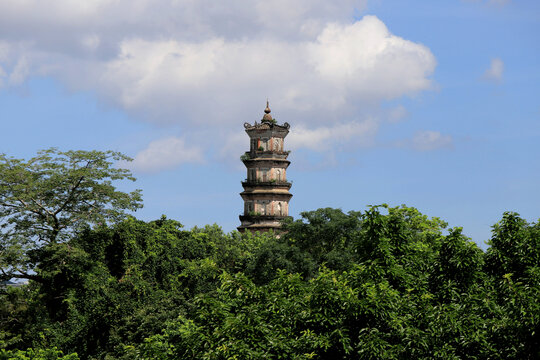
{"points": [[383, 283], [45, 199]]}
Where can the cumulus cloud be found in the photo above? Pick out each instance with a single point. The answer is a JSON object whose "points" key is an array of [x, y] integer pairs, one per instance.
{"points": [[167, 78], [326, 137], [365, 59], [210, 65], [164, 154], [3, 75], [431, 140], [397, 114], [68, 23], [19, 72], [495, 71]]}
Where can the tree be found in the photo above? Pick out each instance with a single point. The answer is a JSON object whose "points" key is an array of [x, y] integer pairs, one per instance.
{"points": [[44, 200], [513, 264], [39, 354]]}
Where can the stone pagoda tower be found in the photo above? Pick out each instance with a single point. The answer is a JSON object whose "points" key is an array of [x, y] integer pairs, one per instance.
{"points": [[266, 190]]}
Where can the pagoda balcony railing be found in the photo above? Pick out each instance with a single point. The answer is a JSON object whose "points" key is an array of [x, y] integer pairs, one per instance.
{"points": [[264, 154], [247, 182], [259, 151], [254, 216]]}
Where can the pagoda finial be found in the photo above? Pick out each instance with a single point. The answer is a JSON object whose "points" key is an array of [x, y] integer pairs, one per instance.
{"points": [[267, 115]]}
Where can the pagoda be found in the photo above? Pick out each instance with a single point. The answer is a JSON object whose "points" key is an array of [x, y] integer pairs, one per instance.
{"points": [[266, 189]]}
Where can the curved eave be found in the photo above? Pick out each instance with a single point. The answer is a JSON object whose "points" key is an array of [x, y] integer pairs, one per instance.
{"points": [[267, 184], [265, 125], [255, 218], [266, 154], [266, 192], [265, 160]]}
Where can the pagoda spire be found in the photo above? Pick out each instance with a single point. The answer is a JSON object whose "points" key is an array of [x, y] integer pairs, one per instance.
{"points": [[267, 116]]}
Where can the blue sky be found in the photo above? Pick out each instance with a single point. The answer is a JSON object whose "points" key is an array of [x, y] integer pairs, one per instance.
{"points": [[432, 104]]}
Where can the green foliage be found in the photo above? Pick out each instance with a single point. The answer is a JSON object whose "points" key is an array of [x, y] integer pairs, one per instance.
{"points": [[386, 283], [513, 263], [44, 200], [408, 291], [108, 288], [39, 354]]}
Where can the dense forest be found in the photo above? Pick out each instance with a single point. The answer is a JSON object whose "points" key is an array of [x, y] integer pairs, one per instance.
{"points": [[384, 283]]}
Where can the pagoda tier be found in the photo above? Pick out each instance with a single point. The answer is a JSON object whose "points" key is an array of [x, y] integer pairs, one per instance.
{"points": [[266, 190]]}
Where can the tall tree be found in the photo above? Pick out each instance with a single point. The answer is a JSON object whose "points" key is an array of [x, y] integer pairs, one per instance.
{"points": [[45, 199]]}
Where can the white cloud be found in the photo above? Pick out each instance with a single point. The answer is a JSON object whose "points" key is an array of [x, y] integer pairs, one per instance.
{"points": [[495, 71], [4, 51], [327, 137], [164, 154], [347, 66], [366, 59], [431, 140], [19, 72], [185, 20], [91, 42], [234, 144], [3, 75], [396, 114], [209, 66]]}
